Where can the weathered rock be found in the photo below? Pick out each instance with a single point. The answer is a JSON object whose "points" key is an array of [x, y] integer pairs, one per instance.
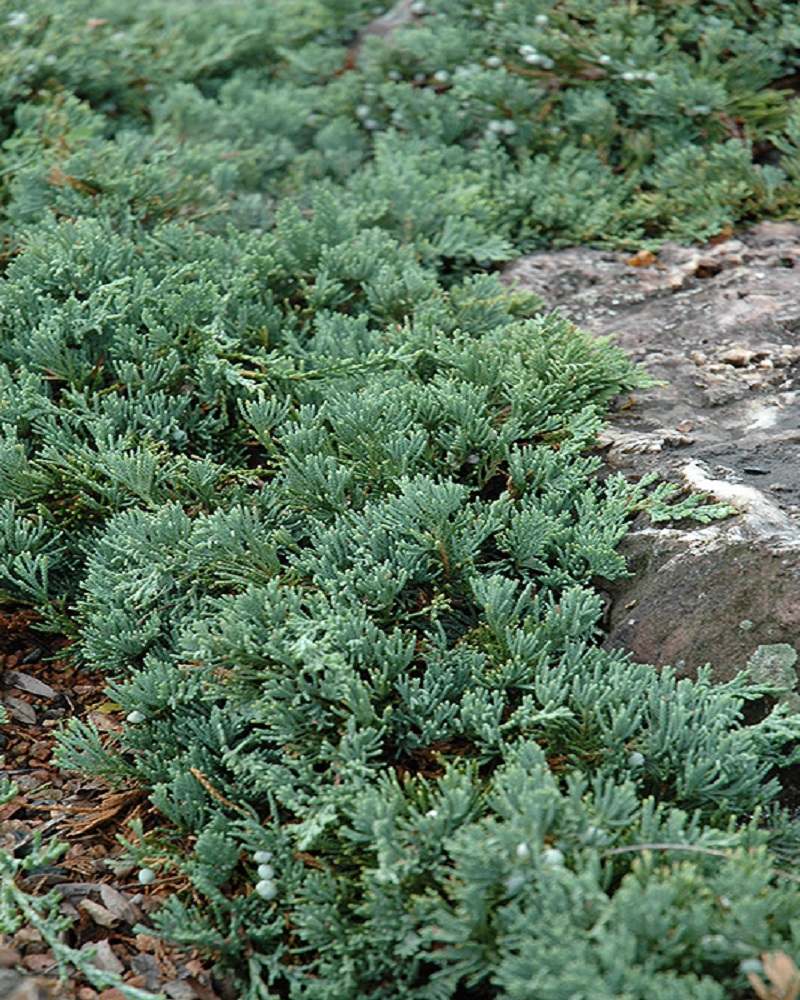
{"points": [[775, 666], [720, 326], [714, 594], [403, 12]]}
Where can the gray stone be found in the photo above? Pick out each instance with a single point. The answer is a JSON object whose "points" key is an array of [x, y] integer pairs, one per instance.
{"points": [[711, 594], [720, 327], [774, 665], [402, 13]]}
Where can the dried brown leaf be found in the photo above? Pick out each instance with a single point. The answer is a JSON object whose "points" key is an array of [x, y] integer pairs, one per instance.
{"points": [[20, 710], [99, 914], [120, 905], [104, 958], [76, 890], [8, 956], [24, 682], [201, 990], [102, 722], [644, 258]]}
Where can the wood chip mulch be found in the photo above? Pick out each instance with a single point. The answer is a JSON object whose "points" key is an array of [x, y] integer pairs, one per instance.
{"points": [[41, 690]]}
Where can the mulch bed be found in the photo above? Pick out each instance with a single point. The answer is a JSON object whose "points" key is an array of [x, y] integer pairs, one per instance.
{"points": [[41, 690]]}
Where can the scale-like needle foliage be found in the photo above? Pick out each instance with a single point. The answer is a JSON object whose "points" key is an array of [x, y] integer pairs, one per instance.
{"points": [[316, 491]]}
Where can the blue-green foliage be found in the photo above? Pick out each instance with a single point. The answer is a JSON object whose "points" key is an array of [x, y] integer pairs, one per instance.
{"points": [[483, 128], [315, 490]]}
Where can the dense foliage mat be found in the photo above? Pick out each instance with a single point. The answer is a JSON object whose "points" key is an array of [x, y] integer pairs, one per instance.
{"points": [[286, 460]]}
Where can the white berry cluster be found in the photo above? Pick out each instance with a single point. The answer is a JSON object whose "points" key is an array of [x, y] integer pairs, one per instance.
{"points": [[549, 858], [496, 126], [632, 75], [533, 57], [265, 887]]}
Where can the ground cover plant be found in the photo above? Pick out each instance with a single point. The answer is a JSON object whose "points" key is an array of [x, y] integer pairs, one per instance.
{"points": [[285, 460]]}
